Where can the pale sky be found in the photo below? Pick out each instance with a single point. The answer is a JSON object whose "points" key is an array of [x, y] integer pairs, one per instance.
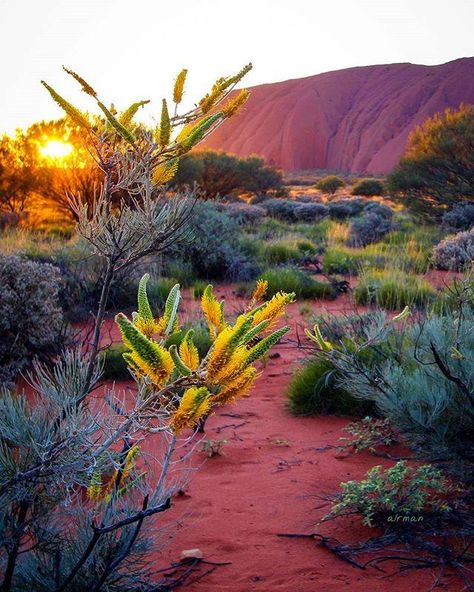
{"points": [[133, 49]]}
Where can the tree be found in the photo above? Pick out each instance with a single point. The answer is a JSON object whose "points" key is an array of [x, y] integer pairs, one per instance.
{"points": [[437, 170], [218, 173], [17, 172]]}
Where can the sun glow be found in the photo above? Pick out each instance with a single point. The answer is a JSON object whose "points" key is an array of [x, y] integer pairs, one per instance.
{"points": [[56, 149]]}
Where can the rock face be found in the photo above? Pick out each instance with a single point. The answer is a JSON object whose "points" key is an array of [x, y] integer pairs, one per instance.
{"points": [[355, 120]]}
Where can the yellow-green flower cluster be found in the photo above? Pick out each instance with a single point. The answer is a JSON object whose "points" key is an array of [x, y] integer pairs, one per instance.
{"points": [[224, 373]]}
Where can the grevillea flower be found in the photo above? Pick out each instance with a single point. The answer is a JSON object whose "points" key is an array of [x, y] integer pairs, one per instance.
{"points": [[147, 356], [179, 86], [188, 351], [193, 405], [260, 290], [219, 353], [235, 103], [236, 388], [274, 308], [213, 312]]}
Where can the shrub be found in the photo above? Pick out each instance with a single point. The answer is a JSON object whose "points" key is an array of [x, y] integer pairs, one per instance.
{"points": [[460, 217], [313, 390], [423, 382], [213, 248], [282, 209], [31, 318], [310, 212], [368, 187], [368, 229], [374, 207], [288, 279], [281, 252], [399, 492], [330, 184], [245, 213], [218, 173], [392, 289], [115, 367], [197, 289], [346, 208], [337, 260], [436, 169], [455, 253]]}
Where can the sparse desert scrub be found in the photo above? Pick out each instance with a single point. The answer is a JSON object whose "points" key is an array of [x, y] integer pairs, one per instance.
{"points": [[422, 385], [392, 289]]}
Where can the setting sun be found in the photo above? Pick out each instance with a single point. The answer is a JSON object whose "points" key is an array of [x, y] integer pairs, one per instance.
{"points": [[56, 149]]}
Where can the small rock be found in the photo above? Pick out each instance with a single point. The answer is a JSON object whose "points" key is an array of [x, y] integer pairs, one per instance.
{"points": [[191, 554]]}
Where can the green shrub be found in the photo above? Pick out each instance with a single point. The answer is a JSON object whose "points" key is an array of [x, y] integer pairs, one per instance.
{"points": [[392, 289], [423, 383], [218, 173], [368, 187], [181, 271], [367, 229], [339, 260], [281, 252], [400, 491], [287, 279], [330, 184], [213, 249], [115, 367], [158, 291], [201, 337], [314, 390], [31, 317], [197, 289]]}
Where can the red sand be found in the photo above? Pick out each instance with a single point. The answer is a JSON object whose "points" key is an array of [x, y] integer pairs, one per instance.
{"points": [[357, 119], [270, 479]]}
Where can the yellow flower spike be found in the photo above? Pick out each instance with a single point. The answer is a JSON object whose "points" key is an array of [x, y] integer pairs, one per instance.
{"points": [[179, 86], [147, 356], [233, 366], [274, 308], [235, 103], [94, 490], [189, 352], [260, 290], [220, 352], [236, 388], [128, 463], [194, 404], [213, 312]]}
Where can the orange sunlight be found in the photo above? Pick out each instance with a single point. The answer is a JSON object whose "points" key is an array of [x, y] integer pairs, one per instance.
{"points": [[56, 149]]}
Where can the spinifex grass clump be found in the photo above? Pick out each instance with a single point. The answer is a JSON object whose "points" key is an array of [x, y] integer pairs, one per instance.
{"points": [[392, 289]]}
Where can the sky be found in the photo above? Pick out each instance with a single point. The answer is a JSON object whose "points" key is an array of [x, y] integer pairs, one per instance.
{"points": [[133, 49]]}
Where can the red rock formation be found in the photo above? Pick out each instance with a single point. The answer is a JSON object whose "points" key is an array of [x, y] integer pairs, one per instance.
{"points": [[355, 120]]}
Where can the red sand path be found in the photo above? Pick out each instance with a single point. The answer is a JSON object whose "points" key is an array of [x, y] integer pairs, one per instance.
{"points": [[271, 478]]}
